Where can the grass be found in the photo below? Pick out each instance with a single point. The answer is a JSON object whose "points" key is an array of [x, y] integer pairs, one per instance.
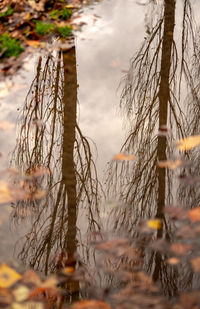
{"points": [[64, 14], [43, 28], [64, 31], [10, 47], [6, 13]]}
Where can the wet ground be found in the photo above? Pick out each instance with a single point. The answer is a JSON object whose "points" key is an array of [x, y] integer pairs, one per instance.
{"points": [[129, 85]]}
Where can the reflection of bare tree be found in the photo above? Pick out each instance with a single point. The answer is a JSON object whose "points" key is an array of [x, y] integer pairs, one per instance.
{"points": [[49, 136], [151, 99]]}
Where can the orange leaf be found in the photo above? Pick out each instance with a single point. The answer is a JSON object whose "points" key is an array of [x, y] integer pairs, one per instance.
{"points": [[196, 264], [194, 214], [180, 249], [172, 165], [33, 43], [90, 304], [188, 143], [6, 125], [123, 157], [173, 261]]}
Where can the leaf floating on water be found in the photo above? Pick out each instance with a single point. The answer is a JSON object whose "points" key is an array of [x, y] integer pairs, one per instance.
{"points": [[180, 249], [172, 165], [194, 214], [124, 157], [196, 264], [155, 224], [188, 143], [90, 304], [8, 276], [173, 261], [6, 125]]}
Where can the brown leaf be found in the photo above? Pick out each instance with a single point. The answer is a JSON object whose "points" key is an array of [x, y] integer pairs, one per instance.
{"points": [[30, 277], [124, 157], [194, 214], [196, 264], [188, 143], [180, 249]]}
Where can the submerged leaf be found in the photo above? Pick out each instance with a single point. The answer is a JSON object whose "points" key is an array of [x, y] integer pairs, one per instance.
{"points": [[173, 261], [124, 157], [196, 264], [155, 224], [188, 143], [172, 165], [180, 249], [90, 304], [194, 214], [8, 276]]}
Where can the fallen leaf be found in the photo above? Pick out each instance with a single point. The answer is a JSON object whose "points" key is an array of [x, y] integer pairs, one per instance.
{"points": [[196, 264], [90, 304], [173, 261], [21, 293], [123, 157], [33, 43], [68, 270], [155, 224], [188, 143], [180, 249], [5, 195], [194, 214], [30, 277], [6, 125], [8, 276], [27, 305], [6, 297], [172, 165]]}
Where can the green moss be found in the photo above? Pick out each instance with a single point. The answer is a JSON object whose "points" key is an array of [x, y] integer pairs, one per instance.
{"points": [[64, 14], [64, 31], [9, 47], [43, 28], [6, 13]]}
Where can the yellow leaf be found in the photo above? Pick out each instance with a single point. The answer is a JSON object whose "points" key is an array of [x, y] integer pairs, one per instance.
{"points": [[188, 143], [21, 293], [27, 305], [123, 157], [68, 270], [8, 276], [155, 224]]}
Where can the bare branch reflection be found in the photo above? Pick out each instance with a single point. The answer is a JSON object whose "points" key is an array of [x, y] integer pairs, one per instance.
{"points": [[49, 136]]}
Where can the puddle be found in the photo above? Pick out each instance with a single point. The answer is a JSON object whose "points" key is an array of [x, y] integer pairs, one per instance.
{"points": [[129, 85]]}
